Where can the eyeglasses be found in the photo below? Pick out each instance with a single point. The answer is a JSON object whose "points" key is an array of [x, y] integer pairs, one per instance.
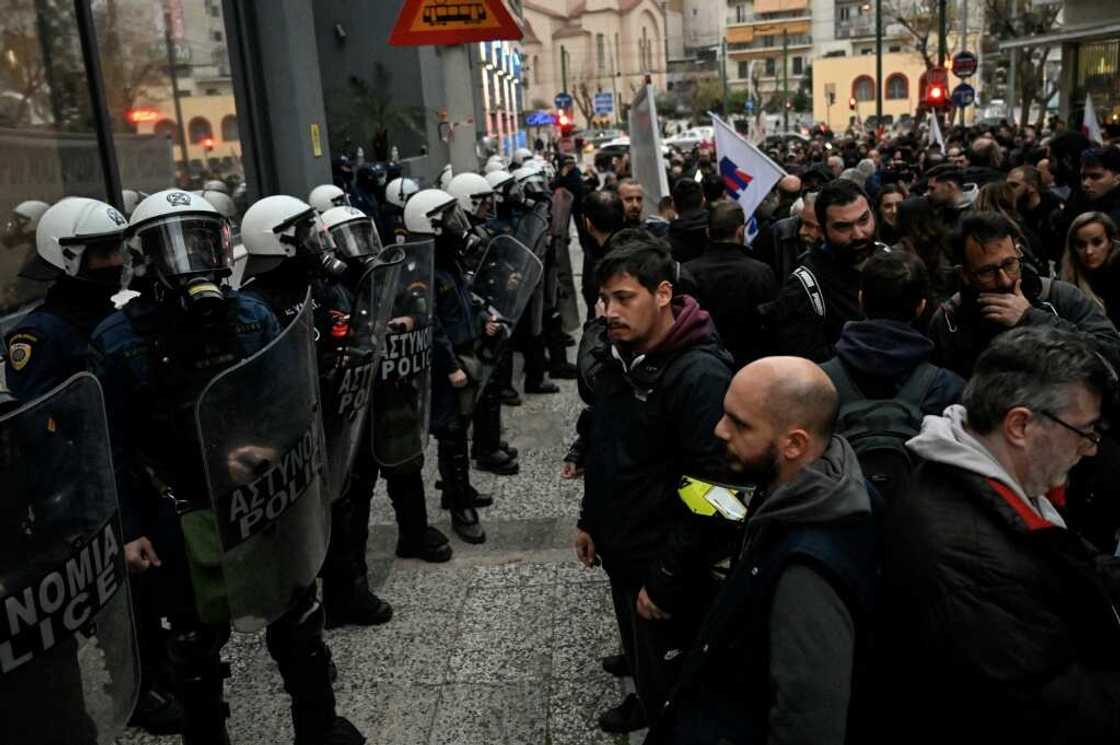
{"points": [[1011, 266], [1093, 437]]}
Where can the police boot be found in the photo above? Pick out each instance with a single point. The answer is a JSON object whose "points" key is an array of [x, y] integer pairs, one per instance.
{"points": [[346, 595], [488, 453], [535, 366], [558, 366], [295, 641], [415, 538], [454, 467], [196, 664]]}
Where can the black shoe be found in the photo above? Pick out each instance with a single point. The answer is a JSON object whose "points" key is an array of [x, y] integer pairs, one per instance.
{"points": [[498, 462], [158, 713], [466, 525], [563, 371], [341, 732], [545, 386], [502, 445], [616, 665], [510, 397], [433, 548], [478, 499], [361, 608], [626, 717]]}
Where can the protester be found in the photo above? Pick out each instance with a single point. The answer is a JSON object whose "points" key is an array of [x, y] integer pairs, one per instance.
{"points": [[999, 292], [1000, 623], [1039, 208], [886, 211], [781, 657], [999, 197], [688, 232], [1092, 261], [730, 285], [946, 193], [603, 216], [632, 195], [783, 246]]}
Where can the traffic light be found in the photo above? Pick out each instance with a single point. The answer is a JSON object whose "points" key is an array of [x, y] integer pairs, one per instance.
{"points": [[852, 103], [936, 94], [564, 122]]}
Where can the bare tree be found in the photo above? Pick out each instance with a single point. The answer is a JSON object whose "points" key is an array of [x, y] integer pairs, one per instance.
{"points": [[1031, 21], [920, 20]]}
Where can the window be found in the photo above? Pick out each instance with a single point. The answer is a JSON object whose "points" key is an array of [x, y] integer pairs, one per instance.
{"points": [[165, 129], [600, 52], [199, 130], [216, 35], [770, 65], [895, 48], [863, 88], [47, 142], [741, 14], [744, 69], [230, 130], [866, 52], [797, 65], [897, 87], [845, 12], [767, 41]]}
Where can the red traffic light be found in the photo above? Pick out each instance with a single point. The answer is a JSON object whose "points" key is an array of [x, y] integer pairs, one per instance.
{"points": [[563, 119], [936, 93], [208, 144], [852, 103]]}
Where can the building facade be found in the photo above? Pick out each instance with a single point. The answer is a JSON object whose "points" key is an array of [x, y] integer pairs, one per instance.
{"points": [[769, 45]]}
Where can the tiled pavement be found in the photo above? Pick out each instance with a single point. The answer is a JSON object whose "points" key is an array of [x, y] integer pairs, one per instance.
{"points": [[500, 646]]}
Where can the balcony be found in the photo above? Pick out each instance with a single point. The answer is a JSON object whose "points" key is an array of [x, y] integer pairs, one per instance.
{"points": [[772, 43]]}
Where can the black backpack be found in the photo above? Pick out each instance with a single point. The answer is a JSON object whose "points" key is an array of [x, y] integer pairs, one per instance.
{"points": [[878, 428]]}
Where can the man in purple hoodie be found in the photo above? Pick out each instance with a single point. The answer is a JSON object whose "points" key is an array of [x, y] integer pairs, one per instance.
{"points": [[654, 374]]}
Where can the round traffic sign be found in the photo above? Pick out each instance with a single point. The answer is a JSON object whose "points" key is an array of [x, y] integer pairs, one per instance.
{"points": [[964, 64], [563, 101], [963, 95]]}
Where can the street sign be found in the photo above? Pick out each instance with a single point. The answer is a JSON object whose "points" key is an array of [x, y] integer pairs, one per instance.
{"points": [[749, 105], [963, 95], [964, 64], [448, 22], [539, 119], [604, 103], [563, 101]]}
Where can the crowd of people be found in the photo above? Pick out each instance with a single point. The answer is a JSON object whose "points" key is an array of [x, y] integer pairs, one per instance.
{"points": [[850, 480]]}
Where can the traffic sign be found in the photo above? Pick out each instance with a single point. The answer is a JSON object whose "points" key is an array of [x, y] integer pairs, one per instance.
{"points": [[448, 22], [964, 64], [563, 101], [604, 103], [539, 119], [963, 95], [749, 105]]}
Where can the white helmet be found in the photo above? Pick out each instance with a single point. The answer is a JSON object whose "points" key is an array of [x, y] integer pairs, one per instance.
{"points": [[220, 201], [182, 235], [473, 192], [353, 232], [400, 190], [131, 198], [520, 155], [25, 217], [434, 212], [325, 196], [445, 176], [283, 226], [545, 166], [531, 177], [215, 184], [494, 163], [67, 229]]}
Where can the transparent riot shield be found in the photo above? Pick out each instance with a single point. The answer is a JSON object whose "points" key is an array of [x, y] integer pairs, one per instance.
{"points": [[506, 279], [565, 299], [532, 229], [69, 671], [402, 387], [261, 431], [348, 386]]}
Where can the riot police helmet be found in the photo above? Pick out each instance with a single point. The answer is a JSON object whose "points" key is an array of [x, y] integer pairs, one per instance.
{"points": [[71, 233], [130, 199], [520, 156], [399, 191], [434, 212], [216, 184], [474, 193], [326, 196], [220, 201], [184, 240], [354, 235], [505, 186], [25, 218]]}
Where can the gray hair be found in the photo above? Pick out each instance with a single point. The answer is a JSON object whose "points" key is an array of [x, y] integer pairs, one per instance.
{"points": [[866, 167], [854, 175], [1032, 367]]}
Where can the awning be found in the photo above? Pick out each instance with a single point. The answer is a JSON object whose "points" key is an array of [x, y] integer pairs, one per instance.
{"points": [[1090, 32]]}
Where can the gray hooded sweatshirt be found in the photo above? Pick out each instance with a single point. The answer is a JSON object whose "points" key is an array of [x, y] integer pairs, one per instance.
{"points": [[944, 439], [812, 634]]}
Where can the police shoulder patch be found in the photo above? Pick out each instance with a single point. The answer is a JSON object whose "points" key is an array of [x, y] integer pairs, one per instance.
{"points": [[19, 354]]}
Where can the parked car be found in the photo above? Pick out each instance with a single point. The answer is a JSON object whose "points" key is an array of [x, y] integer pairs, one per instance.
{"points": [[691, 138]]}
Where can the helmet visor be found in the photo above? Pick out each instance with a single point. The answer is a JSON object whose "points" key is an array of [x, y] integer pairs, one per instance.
{"points": [[356, 239], [483, 205], [310, 234], [453, 221], [188, 244]]}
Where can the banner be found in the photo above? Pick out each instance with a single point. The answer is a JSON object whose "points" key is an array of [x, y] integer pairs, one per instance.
{"points": [[935, 137], [646, 161], [748, 175], [1090, 127]]}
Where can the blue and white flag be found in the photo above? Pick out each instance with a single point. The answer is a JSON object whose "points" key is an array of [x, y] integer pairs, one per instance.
{"points": [[748, 175]]}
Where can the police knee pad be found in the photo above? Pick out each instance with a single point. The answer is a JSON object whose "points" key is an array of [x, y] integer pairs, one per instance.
{"points": [[196, 644]]}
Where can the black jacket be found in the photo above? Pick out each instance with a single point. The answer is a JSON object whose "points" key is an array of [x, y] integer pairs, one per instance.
{"points": [[960, 333], [1000, 626], [808, 325], [780, 247], [688, 234], [879, 355], [646, 427], [1042, 220], [730, 285]]}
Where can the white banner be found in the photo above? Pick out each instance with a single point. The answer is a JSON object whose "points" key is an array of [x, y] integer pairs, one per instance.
{"points": [[748, 175], [646, 161]]}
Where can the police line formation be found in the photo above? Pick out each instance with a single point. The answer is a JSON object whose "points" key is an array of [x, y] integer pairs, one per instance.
{"points": [[202, 446], [843, 489]]}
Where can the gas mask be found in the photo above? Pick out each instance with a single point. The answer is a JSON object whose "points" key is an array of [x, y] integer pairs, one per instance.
{"points": [[189, 254]]}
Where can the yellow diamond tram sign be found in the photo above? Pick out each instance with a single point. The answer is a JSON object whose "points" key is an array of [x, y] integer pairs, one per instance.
{"points": [[446, 22]]}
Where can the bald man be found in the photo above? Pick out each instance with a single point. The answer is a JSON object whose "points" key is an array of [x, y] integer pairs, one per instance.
{"points": [[780, 651]]}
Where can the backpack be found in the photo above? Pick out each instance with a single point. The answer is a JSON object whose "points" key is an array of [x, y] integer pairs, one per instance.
{"points": [[878, 428]]}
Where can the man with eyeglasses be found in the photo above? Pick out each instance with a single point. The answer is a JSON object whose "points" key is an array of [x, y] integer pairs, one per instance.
{"points": [[1000, 292], [1000, 621]]}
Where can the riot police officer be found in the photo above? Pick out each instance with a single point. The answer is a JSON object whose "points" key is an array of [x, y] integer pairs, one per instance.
{"points": [[358, 245], [325, 196], [397, 193], [290, 251], [156, 359], [436, 214]]}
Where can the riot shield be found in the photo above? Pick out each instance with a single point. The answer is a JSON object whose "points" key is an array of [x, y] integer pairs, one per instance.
{"points": [[532, 229], [261, 431], [566, 303], [402, 387], [506, 280], [69, 671], [347, 387]]}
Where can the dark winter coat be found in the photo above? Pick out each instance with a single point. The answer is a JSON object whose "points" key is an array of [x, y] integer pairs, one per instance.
{"points": [[688, 234]]}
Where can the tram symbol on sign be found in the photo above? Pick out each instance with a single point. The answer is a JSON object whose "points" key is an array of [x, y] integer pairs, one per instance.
{"points": [[443, 14]]}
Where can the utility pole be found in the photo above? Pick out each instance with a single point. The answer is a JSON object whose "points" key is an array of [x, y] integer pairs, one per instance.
{"points": [[171, 72], [1013, 70], [964, 38], [942, 34], [563, 69], [785, 80], [459, 89], [723, 75], [878, 63]]}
